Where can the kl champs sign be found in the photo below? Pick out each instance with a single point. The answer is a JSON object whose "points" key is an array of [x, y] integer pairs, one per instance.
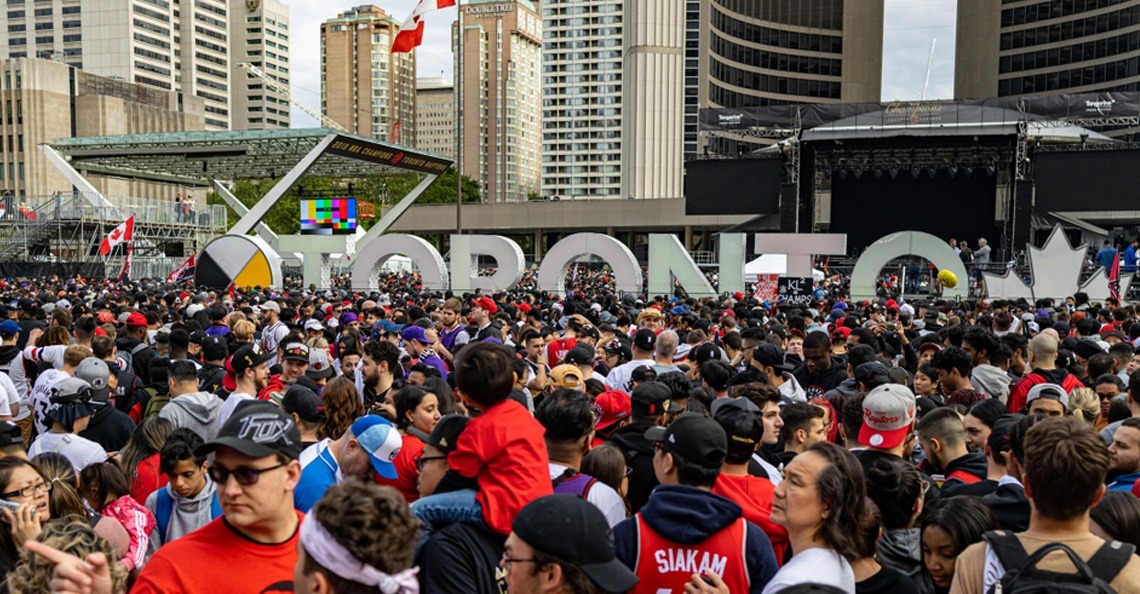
{"points": [[669, 263]]}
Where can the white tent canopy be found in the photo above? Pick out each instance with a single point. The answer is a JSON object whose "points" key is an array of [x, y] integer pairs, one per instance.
{"points": [[772, 264]]}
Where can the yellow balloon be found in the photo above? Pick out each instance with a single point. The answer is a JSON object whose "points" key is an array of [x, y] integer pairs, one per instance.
{"points": [[948, 279]]}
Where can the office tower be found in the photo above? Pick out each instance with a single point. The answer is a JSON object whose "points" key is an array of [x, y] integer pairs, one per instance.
{"points": [[156, 43], [364, 86], [779, 52], [1029, 48], [435, 116], [260, 36], [582, 98], [500, 97], [46, 100]]}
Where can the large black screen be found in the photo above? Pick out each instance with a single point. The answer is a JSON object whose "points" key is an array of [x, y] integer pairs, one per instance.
{"points": [[733, 187], [1087, 180], [869, 208]]}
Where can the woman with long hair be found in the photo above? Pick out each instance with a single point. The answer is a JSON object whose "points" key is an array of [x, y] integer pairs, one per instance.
{"points": [[107, 491], [64, 501], [417, 412], [35, 573], [24, 486], [821, 501], [342, 407], [139, 458]]}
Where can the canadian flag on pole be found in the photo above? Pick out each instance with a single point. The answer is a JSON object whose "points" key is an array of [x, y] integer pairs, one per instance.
{"points": [[124, 232], [411, 33]]}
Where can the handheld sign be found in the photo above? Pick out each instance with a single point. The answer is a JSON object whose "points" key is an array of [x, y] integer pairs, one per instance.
{"points": [[796, 290]]}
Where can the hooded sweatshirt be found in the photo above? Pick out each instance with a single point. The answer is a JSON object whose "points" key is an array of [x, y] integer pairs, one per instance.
{"points": [[186, 514], [1020, 390], [638, 453], [818, 384], [972, 464], [902, 550], [688, 516], [991, 381], [197, 411]]}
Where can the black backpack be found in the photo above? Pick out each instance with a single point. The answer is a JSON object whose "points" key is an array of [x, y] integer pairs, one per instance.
{"points": [[1023, 577]]}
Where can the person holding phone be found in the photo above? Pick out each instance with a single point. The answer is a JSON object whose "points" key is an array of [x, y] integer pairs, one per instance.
{"points": [[23, 508]]}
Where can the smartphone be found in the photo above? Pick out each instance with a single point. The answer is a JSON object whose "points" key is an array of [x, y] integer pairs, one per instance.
{"points": [[707, 580], [12, 505]]}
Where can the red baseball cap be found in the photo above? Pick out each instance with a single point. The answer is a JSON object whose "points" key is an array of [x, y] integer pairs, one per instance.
{"points": [[136, 319], [486, 303], [610, 407]]}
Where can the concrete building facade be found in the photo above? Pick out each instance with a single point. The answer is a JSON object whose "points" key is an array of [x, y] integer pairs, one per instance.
{"points": [[259, 35], [435, 116], [582, 98], [1032, 47], [500, 97], [156, 43], [653, 90], [782, 52], [44, 100], [364, 86]]}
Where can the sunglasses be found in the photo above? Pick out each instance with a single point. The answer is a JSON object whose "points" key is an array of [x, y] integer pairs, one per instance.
{"points": [[243, 475]]}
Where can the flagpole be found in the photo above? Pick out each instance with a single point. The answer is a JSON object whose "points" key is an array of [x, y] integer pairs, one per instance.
{"points": [[459, 120]]}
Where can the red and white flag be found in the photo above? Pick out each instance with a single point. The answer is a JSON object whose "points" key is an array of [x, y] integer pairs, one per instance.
{"points": [[184, 271], [125, 273], [1114, 278], [411, 33], [124, 232]]}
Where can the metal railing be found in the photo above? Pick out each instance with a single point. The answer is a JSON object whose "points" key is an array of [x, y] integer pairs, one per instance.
{"points": [[76, 206]]}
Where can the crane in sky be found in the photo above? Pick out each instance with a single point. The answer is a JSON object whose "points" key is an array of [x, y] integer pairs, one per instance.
{"points": [[929, 65]]}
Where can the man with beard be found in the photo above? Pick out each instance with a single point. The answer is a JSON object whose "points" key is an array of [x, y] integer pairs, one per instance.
{"points": [[248, 375], [375, 375]]}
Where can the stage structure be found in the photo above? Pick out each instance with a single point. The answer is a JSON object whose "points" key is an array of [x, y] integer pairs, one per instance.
{"points": [[215, 159], [995, 168]]}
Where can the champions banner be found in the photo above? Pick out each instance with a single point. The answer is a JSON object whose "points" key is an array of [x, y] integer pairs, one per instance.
{"points": [[1052, 107]]}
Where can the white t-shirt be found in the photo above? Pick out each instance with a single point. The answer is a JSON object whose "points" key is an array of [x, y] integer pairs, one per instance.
{"points": [[817, 566], [620, 376], [231, 403], [80, 451], [601, 495], [8, 394]]}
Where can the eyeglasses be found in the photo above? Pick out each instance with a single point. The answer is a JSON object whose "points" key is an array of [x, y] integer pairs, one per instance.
{"points": [[506, 561], [243, 475], [424, 459], [29, 491]]}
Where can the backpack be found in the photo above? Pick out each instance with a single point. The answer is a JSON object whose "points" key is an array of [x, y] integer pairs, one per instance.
{"points": [[1023, 577], [572, 482], [155, 403], [128, 359], [164, 508]]}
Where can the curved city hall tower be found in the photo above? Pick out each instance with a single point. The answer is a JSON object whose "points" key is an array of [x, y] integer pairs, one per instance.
{"points": [[653, 76], [1031, 47]]}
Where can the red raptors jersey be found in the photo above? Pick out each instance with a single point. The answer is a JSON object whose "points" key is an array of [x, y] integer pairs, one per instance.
{"points": [[665, 566]]}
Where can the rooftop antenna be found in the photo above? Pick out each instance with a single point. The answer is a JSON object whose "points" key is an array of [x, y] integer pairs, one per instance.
{"points": [[929, 65]]}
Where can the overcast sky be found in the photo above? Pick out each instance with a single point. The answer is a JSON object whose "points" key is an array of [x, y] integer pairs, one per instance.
{"points": [[909, 27]]}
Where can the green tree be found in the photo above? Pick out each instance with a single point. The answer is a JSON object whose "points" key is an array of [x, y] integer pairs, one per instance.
{"points": [[380, 190]]}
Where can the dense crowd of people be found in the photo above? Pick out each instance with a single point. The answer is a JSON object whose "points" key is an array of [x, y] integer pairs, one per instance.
{"points": [[158, 439]]}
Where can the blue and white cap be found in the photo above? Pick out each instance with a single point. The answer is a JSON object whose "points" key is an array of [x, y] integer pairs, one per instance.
{"points": [[381, 440]]}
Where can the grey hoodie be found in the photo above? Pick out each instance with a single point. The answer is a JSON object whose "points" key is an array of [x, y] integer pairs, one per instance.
{"points": [[902, 550], [197, 411], [186, 515], [991, 381]]}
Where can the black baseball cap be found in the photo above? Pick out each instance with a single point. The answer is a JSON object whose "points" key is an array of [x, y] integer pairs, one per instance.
{"points": [[257, 429], [574, 531], [247, 357], [446, 433], [652, 399], [694, 437], [305, 402], [704, 353], [740, 419], [580, 355], [214, 348], [999, 439], [772, 355], [10, 434], [645, 339]]}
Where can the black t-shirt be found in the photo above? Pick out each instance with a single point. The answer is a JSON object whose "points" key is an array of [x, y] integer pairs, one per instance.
{"points": [[462, 558], [887, 581]]}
